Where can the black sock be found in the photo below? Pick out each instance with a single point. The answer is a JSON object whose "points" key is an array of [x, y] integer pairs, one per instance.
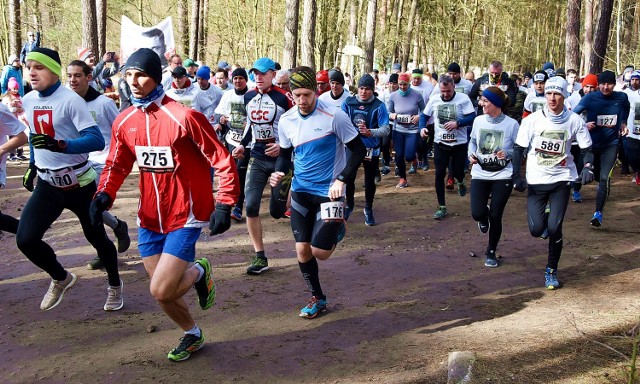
{"points": [[261, 255], [310, 275]]}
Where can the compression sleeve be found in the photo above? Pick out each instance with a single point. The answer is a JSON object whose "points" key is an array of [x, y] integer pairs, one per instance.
{"points": [[90, 140], [283, 162], [587, 155], [518, 152], [248, 136], [467, 120], [358, 152], [423, 120]]}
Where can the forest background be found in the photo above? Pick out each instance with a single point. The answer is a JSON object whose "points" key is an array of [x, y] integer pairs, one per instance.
{"points": [[585, 35]]}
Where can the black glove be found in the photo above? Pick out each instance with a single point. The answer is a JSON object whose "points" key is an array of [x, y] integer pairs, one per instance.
{"points": [[100, 203], [587, 174], [519, 183], [220, 219], [47, 142], [29, 176]]}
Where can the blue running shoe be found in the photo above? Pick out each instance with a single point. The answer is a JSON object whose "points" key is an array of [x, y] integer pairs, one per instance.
{"points": [[490, 260], [462, 189], [412, 170], [576, 197], [313, 308], [236, 214], [551, 279], [368, 217], [596, 221]]}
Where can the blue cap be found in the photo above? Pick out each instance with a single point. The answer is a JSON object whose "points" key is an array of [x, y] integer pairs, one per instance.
{"points": [[396, 66], [223, 64], [204, 72], [263, 64], [635, 74]]}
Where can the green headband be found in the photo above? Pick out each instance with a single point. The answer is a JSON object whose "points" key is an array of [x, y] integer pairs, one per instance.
{"points": [[47, 61], [414, 75], [303, 79]]}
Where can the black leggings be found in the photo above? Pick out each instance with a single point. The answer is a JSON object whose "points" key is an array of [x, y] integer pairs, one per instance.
{"points": [[499, 191], [43, 207], [442, 154], [370, 169], [8, 223], [241, 165], [557, 196]]}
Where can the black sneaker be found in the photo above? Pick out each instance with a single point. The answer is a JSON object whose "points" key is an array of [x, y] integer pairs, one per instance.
{"points": [[483, 226], [123, 241], [188, 345], [258, 265], [96, 263], [490, 260]]}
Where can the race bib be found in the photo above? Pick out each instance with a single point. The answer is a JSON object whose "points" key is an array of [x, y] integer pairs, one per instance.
{"points": [[551, 146], [449, 137], [636, 129], [233, 136], [332, 211], [403, 119], [264, 132], [491, 162], [154, 159], [608, 121], [371, 153], [64, 178]]}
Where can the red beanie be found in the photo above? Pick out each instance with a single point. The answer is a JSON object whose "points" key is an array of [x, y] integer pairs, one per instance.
{"points": [[322, 76], [590, 79]]}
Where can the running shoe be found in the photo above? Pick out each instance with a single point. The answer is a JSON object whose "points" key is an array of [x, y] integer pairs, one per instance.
{"points": [[205, 287], [402, 184], [258, 265], [347, 212], [188, 344], [96, 263], [412, 170], [22, 158], [397, 173], [483, 226], [56, 291], [440, 213], [462, 189], [425, 166], [287, 213], [378, 177], [430, 154], [385, 171], [636, 179], [490, 259], [576, 196], [551, 279], [368, 217], [449, 185], [123, 241], [420, 164], [13, 158], [114, 298], [313, 308], [236, 214], [596, 221]]}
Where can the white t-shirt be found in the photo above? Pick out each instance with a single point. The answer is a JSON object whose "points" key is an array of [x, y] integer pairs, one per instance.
{"points": [[61, 115], [232, 106], [104, 112], [486, 140], [452, 110], [191, 98], [633, 122], [549, 159], [533, 102], [327, 98]]}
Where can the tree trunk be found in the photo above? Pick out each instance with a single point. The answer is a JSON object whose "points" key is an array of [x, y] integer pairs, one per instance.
{"points": [[182, 41], [14, 27], [602, 37], [89, 25], [101, 7], [370, 36], [572, 44], [588, 36], [201, 32], [195, 28], [309, 33], [406, 38], [290, 56]]}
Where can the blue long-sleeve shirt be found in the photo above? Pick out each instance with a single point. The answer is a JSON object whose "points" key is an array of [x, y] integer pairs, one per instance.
{"points": [[608, 112]]}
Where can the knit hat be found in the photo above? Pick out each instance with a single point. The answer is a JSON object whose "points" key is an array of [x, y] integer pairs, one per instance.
{"points": [[561, 72], [47, 57], [13, 83], [607, 77], [556, 84], [590, 79], [635, 74], [336, 76], [84, 53], [393, 78], [203, 72], [528, 74], [303, 77], [322, 76], [454, 68], [540, 76], [239, 72], [147, 61], [367, 81], [416, 72], [404, 77]]}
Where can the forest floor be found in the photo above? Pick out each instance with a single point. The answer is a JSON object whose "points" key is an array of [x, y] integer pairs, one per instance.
{"points": [[402, 295]]}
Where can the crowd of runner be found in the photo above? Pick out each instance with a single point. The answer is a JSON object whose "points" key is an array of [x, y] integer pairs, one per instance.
{"points": [[305, 133]]}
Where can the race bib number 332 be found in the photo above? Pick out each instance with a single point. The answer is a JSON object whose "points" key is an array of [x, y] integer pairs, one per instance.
{"points": [[154, 159]]}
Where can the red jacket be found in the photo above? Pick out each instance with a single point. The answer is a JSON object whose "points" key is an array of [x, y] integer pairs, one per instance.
{"points": [[172, 196]]}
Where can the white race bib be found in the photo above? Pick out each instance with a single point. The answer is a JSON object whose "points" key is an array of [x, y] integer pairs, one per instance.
{"points": [[551, 146], [403, 119], [609, 121], [636, 129], [154, 159], [233, 136], [64, 178], [332, 211], [449, 137], [264, 132]]}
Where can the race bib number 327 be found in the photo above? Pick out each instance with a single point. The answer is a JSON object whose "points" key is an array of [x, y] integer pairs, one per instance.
{"points": [[154, 159]]}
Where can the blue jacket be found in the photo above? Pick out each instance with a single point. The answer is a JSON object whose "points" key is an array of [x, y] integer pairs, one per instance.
{"points": [[8, 72], [598, 105]]}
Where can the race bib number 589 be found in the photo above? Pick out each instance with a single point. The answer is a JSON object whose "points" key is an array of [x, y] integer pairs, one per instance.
{"points": [[154, 159]]}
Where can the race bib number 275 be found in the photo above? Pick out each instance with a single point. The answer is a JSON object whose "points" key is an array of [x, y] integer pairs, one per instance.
{"points": [[154, 159]]}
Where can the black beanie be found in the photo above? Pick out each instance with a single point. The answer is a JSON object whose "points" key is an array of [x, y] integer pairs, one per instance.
{"points": [[147, 61], [453, 67], [367, 81], [240, 72], [336, 76], [607, 77], [393, 78]]}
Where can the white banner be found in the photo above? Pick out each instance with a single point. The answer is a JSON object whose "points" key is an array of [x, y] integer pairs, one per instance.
{"points": [[158, 37]]}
